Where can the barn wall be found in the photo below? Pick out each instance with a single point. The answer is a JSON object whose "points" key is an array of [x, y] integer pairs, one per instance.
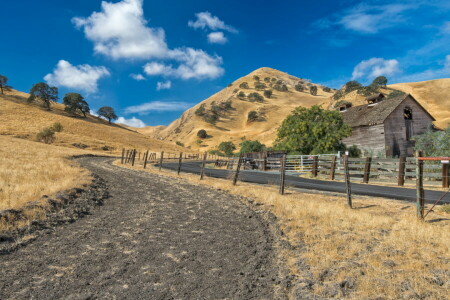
{"points": [[370, 139], [395, 128]]}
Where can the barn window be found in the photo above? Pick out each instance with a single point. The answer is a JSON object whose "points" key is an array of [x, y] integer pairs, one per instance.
{"points": [[407, 114]]}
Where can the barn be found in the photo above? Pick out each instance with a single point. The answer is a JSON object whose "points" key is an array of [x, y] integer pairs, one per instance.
{"points": [[384, 127]]}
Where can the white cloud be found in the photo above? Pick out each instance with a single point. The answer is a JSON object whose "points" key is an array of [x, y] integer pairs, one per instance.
{"points": [[81, 77], [428, 74], [217, 37], [158, 106], [371, 68], [207, 21], [120, 31], [193, 64], [133, 122], [163, 85], [138, 77], [93, 113]]}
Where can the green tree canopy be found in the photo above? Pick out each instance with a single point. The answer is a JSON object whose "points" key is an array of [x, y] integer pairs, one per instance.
{"points": [[352, 85], [108, 113], [255, 97], [268, 93], [313, 90], [44, 92], [202, 134], [251, 146], [380, 80], [4, 84], [312, 131], [433, 143], [252, 116], [75, 102], [227, 148], [244, 85]]}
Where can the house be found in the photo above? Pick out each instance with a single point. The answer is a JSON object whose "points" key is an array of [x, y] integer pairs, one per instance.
{"points": [[384, 127]]}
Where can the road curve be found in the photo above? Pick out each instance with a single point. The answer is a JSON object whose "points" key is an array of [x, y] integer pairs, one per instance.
{"points": [[156, 237], [314, 184]]}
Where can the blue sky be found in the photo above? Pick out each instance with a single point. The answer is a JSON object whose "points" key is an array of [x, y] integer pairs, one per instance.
{"points": [[151, 60]]}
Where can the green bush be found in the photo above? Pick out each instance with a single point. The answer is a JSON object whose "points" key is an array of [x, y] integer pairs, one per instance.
{"points": [[256, 78], [46, 135], [338, 95], [433, 143], [299, 87], [280, 81], [313, 90], [202, 134], [280, 87], [179, 143], [201, 110], [251, 146], [326, 89], [354, 151], [260, 86], [255, 97], [273, 79], [57, 127], [268, 93], [252, 116], [241, 95], [199, 142], [352, 86], [244, 85], [210, 118], [395, 93], [227, 148], [267, 79]]}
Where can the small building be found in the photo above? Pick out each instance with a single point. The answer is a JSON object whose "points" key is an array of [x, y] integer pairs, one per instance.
{"points": [[384, 127]]}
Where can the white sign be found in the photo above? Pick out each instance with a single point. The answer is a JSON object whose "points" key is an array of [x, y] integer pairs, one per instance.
{"points": [[445, 161]]}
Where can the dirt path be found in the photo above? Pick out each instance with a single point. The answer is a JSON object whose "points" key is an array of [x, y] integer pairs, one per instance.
{"points": [[155, 238]]}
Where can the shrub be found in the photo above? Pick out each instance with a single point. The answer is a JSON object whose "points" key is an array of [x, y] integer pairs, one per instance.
{"points": [[241, 95], [326, 89], [57, 127], [244, 85], [202, 134], [215, 109], [179, 143], [47, 135], [251, 146], [199, 142], [354, 151], [227, 148], [226, 105], [280, 87], [280, 81], [433, 143], [267, 79], [201, 110], [235, 91], [395, 93], [260, 86], [256, 77], [210, 118], [273, 79], [255, 97], [252, 116], [107, 148], [338, 95], [268, 93], [313, 90], [352, 86], [299, 87]]}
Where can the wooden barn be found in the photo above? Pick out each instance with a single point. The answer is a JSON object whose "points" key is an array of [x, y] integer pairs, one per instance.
{"points": [[384, 127]]}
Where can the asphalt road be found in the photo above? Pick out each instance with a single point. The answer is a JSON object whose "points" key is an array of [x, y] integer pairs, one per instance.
{"points": [[314, 184]]}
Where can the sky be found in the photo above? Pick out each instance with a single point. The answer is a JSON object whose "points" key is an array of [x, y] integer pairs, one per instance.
{"points": [[151, 60]]}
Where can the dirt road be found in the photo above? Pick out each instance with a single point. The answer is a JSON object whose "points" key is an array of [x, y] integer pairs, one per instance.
{"points": [[154, 238]]}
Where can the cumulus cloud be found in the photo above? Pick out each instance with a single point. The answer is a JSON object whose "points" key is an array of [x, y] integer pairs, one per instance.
{"points": [[120, 31], [374, 67], [81, 77], [158, 106], [217, 37], [138, 77], [205, 20], [193, 64], [163, 85], [133, 122]]}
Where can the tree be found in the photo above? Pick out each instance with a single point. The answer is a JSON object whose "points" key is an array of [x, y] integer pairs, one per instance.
{"points": [[202, 134], [326, 89], [394, 94], [244, 85], [380, 80], [252, 97], [280, 87], [267, 79], [312, 131], [227, 148], [75, 102], [201, 110], [433, 143], [352, 86], [45, 93], [268, 93], [251, 146], [354, 151], [313, 90], [4, 84], [259, 86], [256, 77], [252, 116], [299, 87], [108, 113], [241, 95], [211, 118]]}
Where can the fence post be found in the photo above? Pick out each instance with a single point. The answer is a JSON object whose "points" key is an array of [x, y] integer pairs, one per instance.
{"points": [[347, 182], [401, 171], [145, 159], [420, 201], [123, 154], [315, 166], [203, 165], [238, 167], [282, 174], [179, 162], [133, 158], [161, 160], [367, 169], [126, 156], [445, 175], [333, 168]]}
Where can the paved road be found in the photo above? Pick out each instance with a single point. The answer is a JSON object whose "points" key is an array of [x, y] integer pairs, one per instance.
{"points": [[155, 238], [314, 184]]}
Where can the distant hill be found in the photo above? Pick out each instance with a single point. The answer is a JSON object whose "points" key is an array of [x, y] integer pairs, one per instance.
{"points": [[20, 119], [233, 124]]}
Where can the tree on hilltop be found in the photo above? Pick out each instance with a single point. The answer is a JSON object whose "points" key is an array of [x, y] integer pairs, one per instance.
{"points": [[44, 92], [75, 102], [108, 113], [380, 80], [4, 84], [313, 90]]}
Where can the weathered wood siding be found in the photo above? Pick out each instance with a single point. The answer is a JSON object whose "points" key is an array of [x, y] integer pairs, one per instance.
{"points": [[395, 128], [370, 139]]}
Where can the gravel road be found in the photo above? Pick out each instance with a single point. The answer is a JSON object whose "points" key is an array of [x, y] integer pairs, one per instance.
{"points": [[155, 238]]}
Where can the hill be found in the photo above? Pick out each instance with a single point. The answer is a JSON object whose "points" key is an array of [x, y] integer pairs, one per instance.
{"points": [[233, 124], [23, 120]]}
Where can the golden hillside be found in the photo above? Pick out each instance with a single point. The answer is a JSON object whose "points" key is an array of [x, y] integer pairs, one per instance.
{"points": [[233, 125], [431, 94], [24, 120]]}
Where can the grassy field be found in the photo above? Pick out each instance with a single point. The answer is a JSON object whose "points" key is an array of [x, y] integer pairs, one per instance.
{"points": [[378, 249]]}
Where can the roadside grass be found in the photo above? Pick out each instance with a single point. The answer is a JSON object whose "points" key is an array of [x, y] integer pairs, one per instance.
{"points": [[378, 250]]}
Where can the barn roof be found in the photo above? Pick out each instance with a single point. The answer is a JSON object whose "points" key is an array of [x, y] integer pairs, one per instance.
{"points": [[369, 114], [375, 96]]}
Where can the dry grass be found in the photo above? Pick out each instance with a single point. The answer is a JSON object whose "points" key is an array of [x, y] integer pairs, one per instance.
{"points": [[379, 246], [30, 170]]}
